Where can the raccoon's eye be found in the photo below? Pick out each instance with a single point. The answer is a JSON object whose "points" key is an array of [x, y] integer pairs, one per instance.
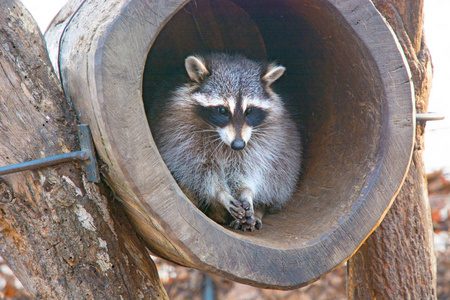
{"points": [[249, 111], [223, 111]]}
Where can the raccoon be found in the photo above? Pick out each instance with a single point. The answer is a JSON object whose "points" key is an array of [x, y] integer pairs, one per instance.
{"points": [[228, 140]]}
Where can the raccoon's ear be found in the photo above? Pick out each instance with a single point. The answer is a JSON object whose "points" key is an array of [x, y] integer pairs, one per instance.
{"points": [[273, 72], [196, 68]]}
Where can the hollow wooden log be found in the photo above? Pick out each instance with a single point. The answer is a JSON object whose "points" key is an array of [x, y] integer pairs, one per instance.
{"points": [[346, 77], [56, 230]]}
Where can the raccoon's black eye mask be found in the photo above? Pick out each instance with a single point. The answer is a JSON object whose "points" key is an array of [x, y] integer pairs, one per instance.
{"points": [[217, 116], [220, 116], [254, 116]]}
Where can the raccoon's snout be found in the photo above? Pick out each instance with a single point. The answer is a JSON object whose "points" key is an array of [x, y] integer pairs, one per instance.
{"points": [[236, 137], [238, 145]]}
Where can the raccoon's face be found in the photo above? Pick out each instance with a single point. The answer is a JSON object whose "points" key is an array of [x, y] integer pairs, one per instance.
{"points": [[233, 120], [232, 95]]}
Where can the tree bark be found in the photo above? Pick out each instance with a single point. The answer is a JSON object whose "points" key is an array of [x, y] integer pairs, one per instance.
{"points": [[398, 260], [64, 237]]}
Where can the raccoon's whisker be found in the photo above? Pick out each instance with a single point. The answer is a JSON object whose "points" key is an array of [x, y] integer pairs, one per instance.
{"points": [[207, 141], [193, 134], [216, 139], [212, 141], [263, 125], [204, 130], [265, 132], [259, 132], [218, 146], [258, 135]]}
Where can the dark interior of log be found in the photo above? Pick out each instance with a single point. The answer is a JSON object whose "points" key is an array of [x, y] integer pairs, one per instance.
{"points": [[331, 84]]}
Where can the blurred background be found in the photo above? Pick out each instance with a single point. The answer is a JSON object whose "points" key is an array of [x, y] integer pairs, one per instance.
{"points": [[183, 283]]}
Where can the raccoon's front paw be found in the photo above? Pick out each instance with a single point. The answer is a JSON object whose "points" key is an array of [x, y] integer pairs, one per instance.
{"points": [[244, 219]]}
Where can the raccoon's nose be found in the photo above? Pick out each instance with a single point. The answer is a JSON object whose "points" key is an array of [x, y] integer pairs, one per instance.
{"points": [[237, 145]]}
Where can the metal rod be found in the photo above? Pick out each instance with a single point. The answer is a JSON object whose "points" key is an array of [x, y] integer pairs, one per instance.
{"points": [[44, 162], [87, 154], [431, 116], [208, 293]]}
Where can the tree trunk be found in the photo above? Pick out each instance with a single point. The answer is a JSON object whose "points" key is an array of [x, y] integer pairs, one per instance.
{"points": [[398, 260], [64, 237]]}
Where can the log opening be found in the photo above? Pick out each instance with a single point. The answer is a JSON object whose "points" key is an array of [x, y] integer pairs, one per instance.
{"points": [[330, 84]]}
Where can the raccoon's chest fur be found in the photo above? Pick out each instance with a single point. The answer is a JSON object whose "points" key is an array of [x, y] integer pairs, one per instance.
{"points": [[233, 171], [261, 165]]}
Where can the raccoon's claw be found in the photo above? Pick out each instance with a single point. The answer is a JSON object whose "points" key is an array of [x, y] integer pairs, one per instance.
{"points": [[236, 224], [248, 224], [236, 209], [248, 227], [245, 205], [236, 203], [250, 220], [258, 224], [252, 224]]}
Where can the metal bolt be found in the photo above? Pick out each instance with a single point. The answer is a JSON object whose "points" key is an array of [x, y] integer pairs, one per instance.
{"points": [[431, 116]]}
